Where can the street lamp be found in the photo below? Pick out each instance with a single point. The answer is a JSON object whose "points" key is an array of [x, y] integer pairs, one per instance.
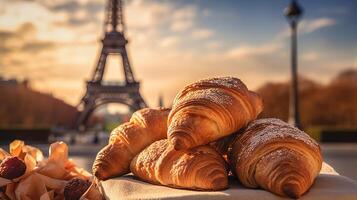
{"points": [[293, 13]]}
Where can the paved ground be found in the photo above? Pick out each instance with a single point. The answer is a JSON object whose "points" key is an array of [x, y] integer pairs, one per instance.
{"points": [[343, 157]]}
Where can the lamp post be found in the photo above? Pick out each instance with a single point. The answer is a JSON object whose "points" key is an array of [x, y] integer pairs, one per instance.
{"points": [[293, 13]]}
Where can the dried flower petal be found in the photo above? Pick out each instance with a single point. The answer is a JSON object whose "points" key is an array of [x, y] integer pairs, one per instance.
{"points": [[34, 152], [46, 196], [4, 181], [44, 179], [16, 148], [3, 154], [35, 185], [53, 170], [92, 193], [77, 171], [30, 163], [58, 153], [10, 191]]}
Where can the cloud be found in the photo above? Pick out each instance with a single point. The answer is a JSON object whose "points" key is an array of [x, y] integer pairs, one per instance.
{"points": [[202, 33], [17, 13], [151, 14], [310, 25], [187, 12], [4, 50], [24, 36], [36, 46], [4, 34], [76, 13], [70, 5], [169, 41], [18, 47], [48, 23], [206, 12], [310, 56], [246, 51], [214, 44], [181, 25], [183, 18]]}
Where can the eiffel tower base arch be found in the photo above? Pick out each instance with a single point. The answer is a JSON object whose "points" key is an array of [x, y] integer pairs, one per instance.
{"points": [[102, 95], [99, 92]]}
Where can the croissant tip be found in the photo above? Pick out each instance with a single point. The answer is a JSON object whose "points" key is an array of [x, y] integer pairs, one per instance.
{"points": [[291, 190], [99, 171], [97, 174], [178, 144], [220, 183]]}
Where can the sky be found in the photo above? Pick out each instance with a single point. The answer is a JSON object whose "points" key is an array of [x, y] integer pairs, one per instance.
{"points": [[55, 43]]}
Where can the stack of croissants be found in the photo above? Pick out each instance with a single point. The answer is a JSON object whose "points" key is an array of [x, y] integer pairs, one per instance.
{"points": [[212, 130]]}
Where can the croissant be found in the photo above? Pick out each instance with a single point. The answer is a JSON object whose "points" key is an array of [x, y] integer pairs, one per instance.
{"points": [[200, 168], [128, 139], [210, 109], [275, 156]]}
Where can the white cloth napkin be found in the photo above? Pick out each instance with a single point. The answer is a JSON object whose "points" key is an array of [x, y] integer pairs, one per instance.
{"points": [[328, 185]]}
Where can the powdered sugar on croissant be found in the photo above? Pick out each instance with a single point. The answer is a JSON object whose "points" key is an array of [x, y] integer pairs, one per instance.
{"points": [[273, 155], [127, 140], [200, 168], [209, 109]]}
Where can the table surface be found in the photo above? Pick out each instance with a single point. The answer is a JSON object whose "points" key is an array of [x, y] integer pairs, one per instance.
{"points": [[325, 187]]}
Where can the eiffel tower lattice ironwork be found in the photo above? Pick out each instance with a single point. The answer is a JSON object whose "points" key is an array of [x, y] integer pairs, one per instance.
{"points": [[98, 92]]}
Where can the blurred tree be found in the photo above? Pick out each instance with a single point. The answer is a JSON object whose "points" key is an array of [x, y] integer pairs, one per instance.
{"points": [[334, 104], [22, 106]]}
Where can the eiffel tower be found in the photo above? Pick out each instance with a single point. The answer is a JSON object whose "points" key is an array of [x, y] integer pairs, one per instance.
{"points": [[98, 92]]}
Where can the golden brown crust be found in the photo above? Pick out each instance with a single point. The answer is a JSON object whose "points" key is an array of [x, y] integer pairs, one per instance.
{"points": [[200, 168], [275, 156], [210, 109], [127, 140]]}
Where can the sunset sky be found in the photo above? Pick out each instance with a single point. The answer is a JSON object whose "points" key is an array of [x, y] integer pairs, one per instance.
{"points": [[55, 43]]}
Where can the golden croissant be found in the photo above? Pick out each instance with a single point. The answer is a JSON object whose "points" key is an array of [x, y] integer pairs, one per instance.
{"points": [[210, 109], [128, 139], [275, 156], [200, 168]]}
